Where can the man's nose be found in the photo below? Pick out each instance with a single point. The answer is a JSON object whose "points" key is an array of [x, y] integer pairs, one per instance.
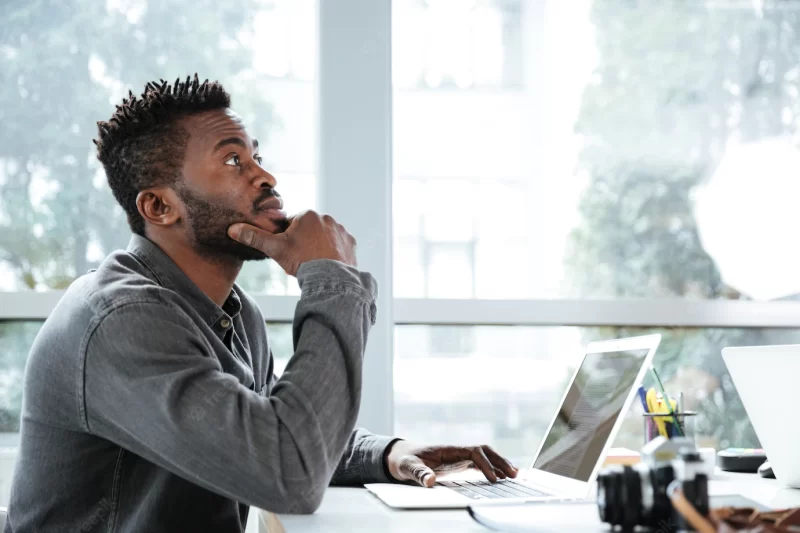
{"points": [[264, 180]]}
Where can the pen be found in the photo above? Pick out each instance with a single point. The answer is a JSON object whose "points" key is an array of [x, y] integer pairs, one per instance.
{"points": [[643, 398]]}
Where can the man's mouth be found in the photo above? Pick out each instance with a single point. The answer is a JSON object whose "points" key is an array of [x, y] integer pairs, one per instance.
{"points": [[273, 208], [275, 214]]}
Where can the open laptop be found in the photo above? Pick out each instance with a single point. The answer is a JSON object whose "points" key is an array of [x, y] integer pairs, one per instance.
{"points": [[569, 457], [766, 378]]}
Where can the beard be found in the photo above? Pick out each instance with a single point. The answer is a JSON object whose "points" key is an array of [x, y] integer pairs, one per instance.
{"points": [[207, 227]]}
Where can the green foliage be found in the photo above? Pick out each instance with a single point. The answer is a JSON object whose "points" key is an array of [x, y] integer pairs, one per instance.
{"points": [[674, 81]]}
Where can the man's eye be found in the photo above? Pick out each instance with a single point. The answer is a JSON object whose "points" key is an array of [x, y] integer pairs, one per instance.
{"points": [[258, 159], [235, 159]]}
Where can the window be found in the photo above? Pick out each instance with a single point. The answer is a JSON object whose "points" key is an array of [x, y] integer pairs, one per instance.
{"points": [[58, 218], [469, 44], [280, 342], [558, 167], [16, 338], [641, 159], [618, 165]]}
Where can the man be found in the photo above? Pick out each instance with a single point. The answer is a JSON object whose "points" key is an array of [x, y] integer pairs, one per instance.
{"points": [[150, 402]]}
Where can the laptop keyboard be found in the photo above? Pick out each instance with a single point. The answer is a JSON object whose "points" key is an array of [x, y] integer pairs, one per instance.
{"points": [[484, 490]]}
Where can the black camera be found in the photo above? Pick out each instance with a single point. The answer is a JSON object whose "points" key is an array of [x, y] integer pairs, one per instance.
{"points": [[630, 496]]}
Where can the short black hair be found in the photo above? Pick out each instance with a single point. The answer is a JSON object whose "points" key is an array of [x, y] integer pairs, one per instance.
{"points": [[142, 145]]}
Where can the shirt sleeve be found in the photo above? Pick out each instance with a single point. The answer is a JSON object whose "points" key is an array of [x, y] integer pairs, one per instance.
{"points": [[153, 385], [363, 460]]}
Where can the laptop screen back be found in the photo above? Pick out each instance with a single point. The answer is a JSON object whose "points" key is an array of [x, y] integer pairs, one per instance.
{"points": [[589, 412]]}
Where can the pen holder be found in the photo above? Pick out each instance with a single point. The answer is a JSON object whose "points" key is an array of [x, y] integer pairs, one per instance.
{"points": [[685, 420]]}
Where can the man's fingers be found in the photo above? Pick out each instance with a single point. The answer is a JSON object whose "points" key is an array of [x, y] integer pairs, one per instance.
{"points": [[482, 462], [500, 462], [256, 238]]}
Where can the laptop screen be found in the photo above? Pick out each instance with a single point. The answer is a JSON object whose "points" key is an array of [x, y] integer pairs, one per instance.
{"points": [[592, 406]]}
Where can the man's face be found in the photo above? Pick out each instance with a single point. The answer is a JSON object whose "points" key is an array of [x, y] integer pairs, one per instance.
{"points": [[223, 183]]}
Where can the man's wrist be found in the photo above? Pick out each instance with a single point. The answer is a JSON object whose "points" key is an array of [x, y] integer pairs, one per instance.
{"points": [[386, 453]]}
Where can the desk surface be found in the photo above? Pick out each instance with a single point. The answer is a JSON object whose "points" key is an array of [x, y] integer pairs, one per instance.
{"points": [[345, 510]]}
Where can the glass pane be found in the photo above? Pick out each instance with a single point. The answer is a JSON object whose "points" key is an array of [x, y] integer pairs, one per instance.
{"points": [[280, 342], [16, 338], [58, 218], [502, 384], [599, 149]]}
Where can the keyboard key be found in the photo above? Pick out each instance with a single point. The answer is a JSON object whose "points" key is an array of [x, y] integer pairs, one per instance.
{"points": [[468, 493], [478, 490], [465, 485], [530, 491], [504, 491]]}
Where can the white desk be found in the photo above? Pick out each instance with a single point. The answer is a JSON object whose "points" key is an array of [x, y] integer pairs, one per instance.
{"points": [[346, 510], [768, 492]]}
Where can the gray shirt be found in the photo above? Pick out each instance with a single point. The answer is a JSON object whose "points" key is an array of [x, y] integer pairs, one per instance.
{"points": [[147, 407]]}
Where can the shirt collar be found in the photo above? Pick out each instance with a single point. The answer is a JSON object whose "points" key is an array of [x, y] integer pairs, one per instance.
{"points": [[169, 276]]}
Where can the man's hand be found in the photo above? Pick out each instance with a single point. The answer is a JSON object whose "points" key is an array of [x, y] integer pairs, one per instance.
{"points": [[310, 236], [407, 462]]}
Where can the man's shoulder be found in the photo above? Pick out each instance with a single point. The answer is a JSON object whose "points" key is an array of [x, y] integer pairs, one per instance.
{"points": [[55, 361], [119, 280]]}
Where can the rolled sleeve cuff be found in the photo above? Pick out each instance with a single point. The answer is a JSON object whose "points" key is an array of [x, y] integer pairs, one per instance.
{"points": [[327, 275], [373, 463], [330, 274]]}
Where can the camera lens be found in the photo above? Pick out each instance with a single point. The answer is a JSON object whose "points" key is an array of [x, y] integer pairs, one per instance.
{"points": [[619, 496], [609, 497], [634, 496], [632, 509]]}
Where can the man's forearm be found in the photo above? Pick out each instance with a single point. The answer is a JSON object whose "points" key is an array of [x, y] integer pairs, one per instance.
{"points": [[336, 384]]}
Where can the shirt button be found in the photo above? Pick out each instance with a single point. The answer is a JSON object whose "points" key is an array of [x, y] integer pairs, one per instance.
{"points": [[225, 323]]}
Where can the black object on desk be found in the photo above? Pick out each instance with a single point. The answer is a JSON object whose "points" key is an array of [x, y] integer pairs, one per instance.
{"points": [[765, 470], [746, 460]]}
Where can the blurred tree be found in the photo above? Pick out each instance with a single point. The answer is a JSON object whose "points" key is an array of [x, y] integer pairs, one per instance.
{"points": [[674, 81]]}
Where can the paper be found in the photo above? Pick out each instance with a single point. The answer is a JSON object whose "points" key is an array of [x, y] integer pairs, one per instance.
{"points": [[540, 517], [565, 517]]}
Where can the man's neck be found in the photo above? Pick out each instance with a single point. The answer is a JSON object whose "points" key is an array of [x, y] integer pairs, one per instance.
{"points": [[215, 277]]}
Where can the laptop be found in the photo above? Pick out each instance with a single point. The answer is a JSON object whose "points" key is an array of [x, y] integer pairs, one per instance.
{"points": [[584, 425], [766, 378]]}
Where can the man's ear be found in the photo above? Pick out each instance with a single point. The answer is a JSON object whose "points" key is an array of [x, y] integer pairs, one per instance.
{"points": [[159, 206]]}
